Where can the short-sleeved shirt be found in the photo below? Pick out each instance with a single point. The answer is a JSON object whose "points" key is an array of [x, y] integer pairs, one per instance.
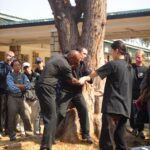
{"points": [[118, 87], [56, 68]]}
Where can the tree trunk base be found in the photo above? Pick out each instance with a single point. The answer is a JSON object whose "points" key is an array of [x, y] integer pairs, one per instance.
{"points": [[69, 129]]}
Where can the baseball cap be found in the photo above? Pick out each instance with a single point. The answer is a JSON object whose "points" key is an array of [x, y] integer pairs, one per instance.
{"points": [[25, 64], [38, 60]]}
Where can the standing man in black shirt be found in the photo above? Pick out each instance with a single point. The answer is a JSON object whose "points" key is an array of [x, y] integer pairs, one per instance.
{"points": [[57, 68], [39, 65], [139, 73], [73, 93], [5, 68], [116, 104]]}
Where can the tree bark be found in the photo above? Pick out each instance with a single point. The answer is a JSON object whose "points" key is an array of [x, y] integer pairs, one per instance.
{"points": [[67, 17]]}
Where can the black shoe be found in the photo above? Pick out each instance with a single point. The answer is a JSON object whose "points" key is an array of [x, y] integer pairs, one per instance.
{"points": [[141, 135], [13, 138], [44, 148], [87, 140], [134, 132]]}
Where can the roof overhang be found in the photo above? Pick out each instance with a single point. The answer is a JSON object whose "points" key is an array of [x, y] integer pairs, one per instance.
{"points": [[119, 26], [126, 28]]}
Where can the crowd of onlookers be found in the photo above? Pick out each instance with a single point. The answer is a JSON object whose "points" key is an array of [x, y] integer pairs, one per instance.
{"points": [[28, 96], [19, 105]]}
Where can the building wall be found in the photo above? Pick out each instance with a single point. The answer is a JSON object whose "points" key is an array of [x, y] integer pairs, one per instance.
{"points": [[29, 53]]}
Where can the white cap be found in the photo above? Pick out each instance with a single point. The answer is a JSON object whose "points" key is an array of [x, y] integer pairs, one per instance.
{"points": [[25, 64]]}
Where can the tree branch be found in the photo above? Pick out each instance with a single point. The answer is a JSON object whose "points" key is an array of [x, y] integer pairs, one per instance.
{"points": [[65, 23]]}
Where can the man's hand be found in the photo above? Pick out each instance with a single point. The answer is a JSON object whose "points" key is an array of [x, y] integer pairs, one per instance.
{"points": [[82, 80]]}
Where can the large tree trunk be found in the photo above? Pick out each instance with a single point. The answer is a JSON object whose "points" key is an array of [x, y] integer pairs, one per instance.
{"points": [[91, 37]]}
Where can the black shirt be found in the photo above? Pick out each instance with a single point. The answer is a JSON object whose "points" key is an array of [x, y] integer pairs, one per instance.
{"points": [[118, 87], [38, 70], [80, 71], [146, 80], [139, 73], [57, 68]]}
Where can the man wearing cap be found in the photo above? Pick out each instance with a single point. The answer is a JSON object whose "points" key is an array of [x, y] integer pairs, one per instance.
{"points": [[5, 68], [39, 68], [39, 65], [31, 97], [57, 67]]}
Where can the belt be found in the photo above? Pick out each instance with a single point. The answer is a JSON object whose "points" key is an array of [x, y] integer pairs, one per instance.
{"points": [[17, 96]]}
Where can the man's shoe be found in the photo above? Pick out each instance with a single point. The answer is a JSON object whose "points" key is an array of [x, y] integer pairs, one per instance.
{"points": [[56, 141], [134, 132], [5, 132], [29, 133], [22, 134], [87, 140], [44, 148], [141, 135], [13, 138], [37, 133]]}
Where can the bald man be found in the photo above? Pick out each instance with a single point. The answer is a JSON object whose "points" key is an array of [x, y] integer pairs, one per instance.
{"points": [[57, 68], [5, 68], [73, 93]]}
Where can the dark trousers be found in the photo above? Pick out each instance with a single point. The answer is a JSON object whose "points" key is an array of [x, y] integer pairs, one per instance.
{"points": [[133, 120], [3, 112], [113, 132], [47, 97], [148, 108], [80, 104]]}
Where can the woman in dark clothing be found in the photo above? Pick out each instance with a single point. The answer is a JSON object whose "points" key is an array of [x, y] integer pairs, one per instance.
{"points": [[116, 104]]}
